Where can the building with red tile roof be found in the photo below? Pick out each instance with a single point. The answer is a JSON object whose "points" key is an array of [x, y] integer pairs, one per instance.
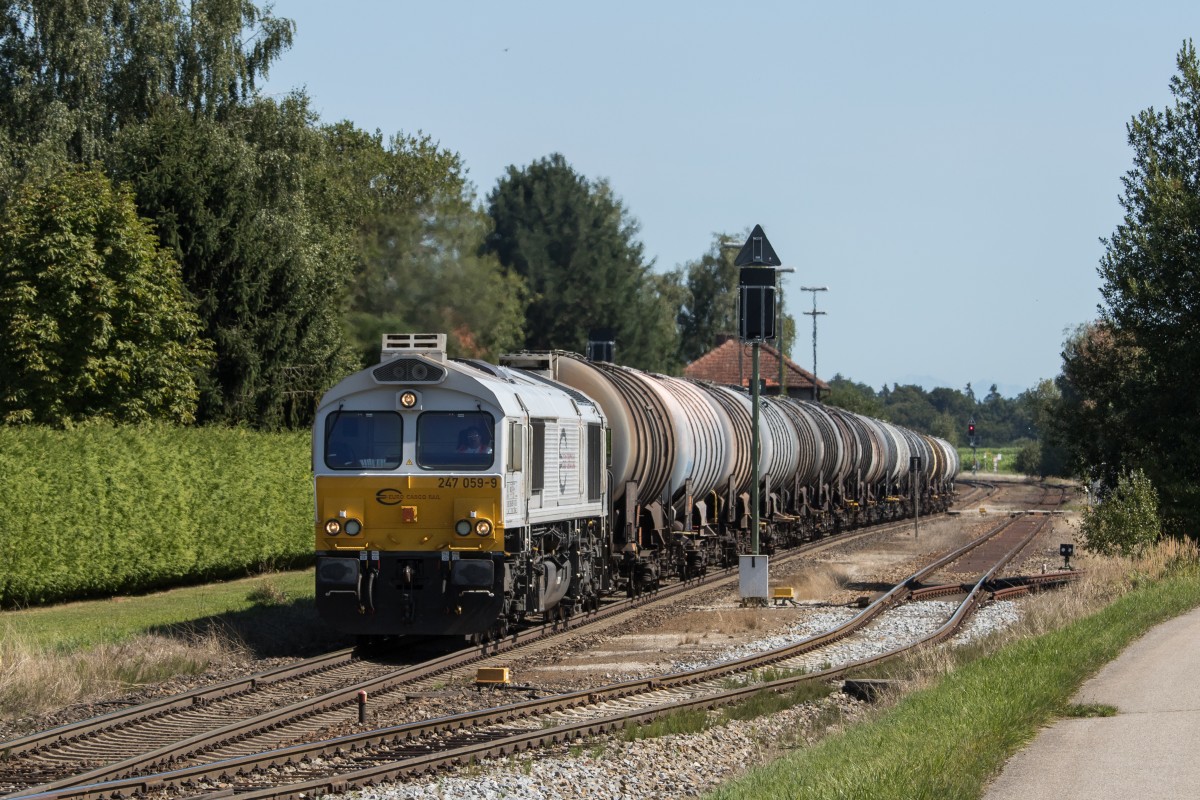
{"points": [[731, 363]]}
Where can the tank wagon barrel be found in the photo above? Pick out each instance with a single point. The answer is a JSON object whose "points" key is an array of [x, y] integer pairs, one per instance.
{"points": [[457, 497]]}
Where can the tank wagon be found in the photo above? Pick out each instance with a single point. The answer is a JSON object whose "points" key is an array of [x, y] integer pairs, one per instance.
{"points": [[456, 497]]}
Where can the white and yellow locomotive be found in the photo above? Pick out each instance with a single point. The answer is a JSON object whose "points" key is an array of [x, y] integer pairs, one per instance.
{"points": [[456, 497]]}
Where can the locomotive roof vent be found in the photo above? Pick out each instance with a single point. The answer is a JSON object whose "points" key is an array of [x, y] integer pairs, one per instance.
{"points": [[429, 345], [541, 363]]}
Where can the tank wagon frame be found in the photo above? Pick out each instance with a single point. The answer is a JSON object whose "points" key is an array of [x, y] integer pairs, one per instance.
{"points": [[456, 497]]}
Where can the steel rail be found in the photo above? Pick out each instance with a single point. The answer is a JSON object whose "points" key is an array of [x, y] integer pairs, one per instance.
{"points": [[195, 746], [492, 716]]}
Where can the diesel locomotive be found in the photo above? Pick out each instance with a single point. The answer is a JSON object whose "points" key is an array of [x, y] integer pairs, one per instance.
{"points": [[461, 498]]}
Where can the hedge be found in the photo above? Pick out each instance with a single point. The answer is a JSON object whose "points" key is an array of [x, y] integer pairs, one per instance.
{"points": [[102, 510]]}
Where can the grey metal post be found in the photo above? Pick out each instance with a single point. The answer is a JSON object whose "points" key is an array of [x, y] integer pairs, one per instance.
{"points": [[754, 450]]}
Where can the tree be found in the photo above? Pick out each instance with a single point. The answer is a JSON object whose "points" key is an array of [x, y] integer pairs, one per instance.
{"points": [[1152, 300], [94, 320], [1099, 390], [266, 254], [74, 74], [1126, 521], [857, 397], [574, 244], [1050, 455], [418, 265], [710, 301], [425, 272]]}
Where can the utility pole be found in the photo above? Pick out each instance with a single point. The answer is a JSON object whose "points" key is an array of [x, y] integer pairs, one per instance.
{"points": [[814, 314]]}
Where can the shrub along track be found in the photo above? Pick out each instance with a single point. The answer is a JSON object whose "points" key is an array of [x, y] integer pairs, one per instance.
{"points": [[386, 754], [260, 712]]}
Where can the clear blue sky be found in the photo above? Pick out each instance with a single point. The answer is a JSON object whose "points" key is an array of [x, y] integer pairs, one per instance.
{"points": [[946, 169]]}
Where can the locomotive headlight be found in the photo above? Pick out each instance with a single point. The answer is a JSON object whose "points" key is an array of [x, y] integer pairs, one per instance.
{"points": [[353, 527], [463, 527], [333, 527], [483, 527], [408, 399]]}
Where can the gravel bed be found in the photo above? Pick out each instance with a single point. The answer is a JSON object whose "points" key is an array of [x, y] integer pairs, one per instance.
{"points": [[688, 765]]}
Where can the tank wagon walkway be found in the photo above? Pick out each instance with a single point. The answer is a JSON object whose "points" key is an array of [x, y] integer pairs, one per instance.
{"points": [[1147, 750]]}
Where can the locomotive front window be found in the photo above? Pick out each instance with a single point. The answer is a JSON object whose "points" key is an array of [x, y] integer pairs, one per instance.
{"points": [[361, 440], [455, 440]]}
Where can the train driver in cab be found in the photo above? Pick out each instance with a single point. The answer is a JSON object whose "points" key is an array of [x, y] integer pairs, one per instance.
{"points": [[472, 440]]}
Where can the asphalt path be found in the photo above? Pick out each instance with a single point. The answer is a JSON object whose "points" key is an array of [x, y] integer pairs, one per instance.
{"points": [[1149, 749]]}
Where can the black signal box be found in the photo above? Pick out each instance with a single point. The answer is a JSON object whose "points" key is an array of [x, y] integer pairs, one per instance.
{"points": [[756, 306]]}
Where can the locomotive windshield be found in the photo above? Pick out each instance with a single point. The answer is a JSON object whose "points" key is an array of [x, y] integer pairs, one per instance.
{"points": [[363, 439], [455, 440]]}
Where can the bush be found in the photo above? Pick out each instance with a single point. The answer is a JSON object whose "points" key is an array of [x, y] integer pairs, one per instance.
{"points": [[1029, 459], [102, 509], [1126, 521]]}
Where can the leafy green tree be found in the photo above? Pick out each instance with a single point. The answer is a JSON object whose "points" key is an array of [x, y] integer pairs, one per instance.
{"points": [[1126, 521], [1151, 312], [267, 256], [72, 74], [710, 301], [857, 397], [1041, 405], [909, 406], [574, 244], [418, 265], [1094, 417], [426, 273], [1029, 459], [94, 319]]}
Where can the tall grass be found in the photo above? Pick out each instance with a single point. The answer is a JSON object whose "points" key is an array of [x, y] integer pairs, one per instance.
{"points": [[99, 509], [91, 651], [33, 681]]}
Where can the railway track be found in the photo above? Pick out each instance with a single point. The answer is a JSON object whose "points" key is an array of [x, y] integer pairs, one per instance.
{"points": [[282, 706], [415, 747]]}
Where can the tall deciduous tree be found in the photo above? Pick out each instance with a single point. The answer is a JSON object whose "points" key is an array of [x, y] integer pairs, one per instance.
{"points": [[94, 319], [1151, 289], [710, 300], [424, 272], [574, 244], [418, 265], [1100, 391], [77, 72], [265, 261]]}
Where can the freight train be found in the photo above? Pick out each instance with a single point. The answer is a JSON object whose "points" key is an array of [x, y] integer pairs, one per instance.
{"points": [[462, 498]]}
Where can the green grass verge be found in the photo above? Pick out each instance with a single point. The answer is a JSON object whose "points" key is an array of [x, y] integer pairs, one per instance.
{"points": [[946, 742], [75, 626]]}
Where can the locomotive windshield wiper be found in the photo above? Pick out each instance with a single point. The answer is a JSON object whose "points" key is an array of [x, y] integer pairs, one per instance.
{"points": [[332, 425]]}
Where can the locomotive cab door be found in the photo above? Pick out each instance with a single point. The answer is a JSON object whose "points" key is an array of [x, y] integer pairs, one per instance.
{"points": [[516, 472]]}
